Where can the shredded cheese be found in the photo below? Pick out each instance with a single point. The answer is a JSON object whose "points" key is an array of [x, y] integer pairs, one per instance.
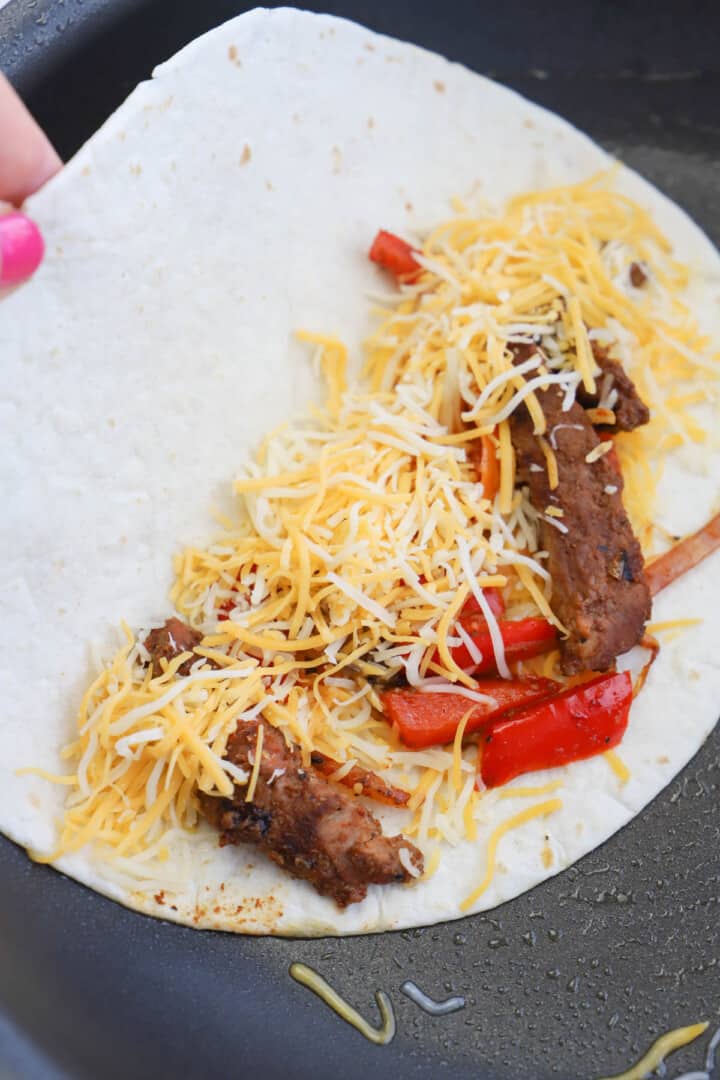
{"points": [[256, 766], [552, 465], [541, 810], [529, 792], [660, 1049], [363, 528], [671, 624], [599, 451], [618, 766]]}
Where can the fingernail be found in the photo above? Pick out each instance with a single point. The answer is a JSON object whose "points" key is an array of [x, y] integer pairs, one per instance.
{"points": [[21, 248]]}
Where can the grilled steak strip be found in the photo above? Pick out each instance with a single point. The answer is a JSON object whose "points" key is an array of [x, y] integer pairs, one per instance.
{"points": [[310, 828], [169, 641], [599, 589], [362, 781], [630, 410]]}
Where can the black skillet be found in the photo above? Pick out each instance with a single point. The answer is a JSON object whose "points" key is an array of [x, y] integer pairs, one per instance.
{"points": [[574, 979]]}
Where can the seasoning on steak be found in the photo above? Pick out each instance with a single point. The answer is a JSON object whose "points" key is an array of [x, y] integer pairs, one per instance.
{"points": [[630, 410], [168, 641], [310, 828], [638, 274], [595, 563]]}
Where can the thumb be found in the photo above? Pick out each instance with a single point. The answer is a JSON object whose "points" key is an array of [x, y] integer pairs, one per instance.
{"points": [[27, 160]]}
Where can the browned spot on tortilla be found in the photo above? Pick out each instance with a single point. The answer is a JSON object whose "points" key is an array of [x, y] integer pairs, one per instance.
{"points": [[136, 169], [269, 186], [409, 207], [371, 122], [246, 154], [529, 123], [34, 800], [222, 886], [547, 855], [439, 86], [233, 56], [369, 46], [85, 171], [663, 760], [160, 897], [173, 907]]}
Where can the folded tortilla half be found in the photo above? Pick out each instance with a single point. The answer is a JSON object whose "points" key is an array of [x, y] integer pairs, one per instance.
{"points": [[228, 203]]}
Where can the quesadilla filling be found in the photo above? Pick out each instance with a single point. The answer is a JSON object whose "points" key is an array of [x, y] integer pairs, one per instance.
{"points": [[430, 578]]}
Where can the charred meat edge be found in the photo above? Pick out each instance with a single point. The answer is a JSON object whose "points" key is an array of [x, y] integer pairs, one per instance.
{"points": [[630, 409], [299, 819], [600, 593], [311, 829], [170, 640]]}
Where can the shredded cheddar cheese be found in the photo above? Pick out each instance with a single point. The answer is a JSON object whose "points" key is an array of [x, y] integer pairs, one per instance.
{"points": [[249, 795], [363, 528], [541, 810], [618, 766], [529, 792], [660, 1049]]}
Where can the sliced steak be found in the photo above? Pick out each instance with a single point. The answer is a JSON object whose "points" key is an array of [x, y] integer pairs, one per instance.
{"points": [[310, 828], [169, 641], [599, 589], [630, 409], [362, 781]]}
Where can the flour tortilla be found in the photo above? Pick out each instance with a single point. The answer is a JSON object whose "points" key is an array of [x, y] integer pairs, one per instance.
{"points": [[229, 201]]}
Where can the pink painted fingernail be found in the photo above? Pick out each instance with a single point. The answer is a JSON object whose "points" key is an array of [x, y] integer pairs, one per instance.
{"points": [[21, 248]]}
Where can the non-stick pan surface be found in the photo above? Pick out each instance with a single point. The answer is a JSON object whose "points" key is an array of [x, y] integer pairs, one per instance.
{"points": [[574, 979]]}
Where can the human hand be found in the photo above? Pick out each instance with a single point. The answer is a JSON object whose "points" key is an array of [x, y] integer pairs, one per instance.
{"points": [[27, 161]]}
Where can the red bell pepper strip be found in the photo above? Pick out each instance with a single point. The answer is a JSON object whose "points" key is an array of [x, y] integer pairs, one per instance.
{"points": [[424, 719], [495, 600], [683, 556], [396, 255], [522, 639], [225, 609], [578, 723]]}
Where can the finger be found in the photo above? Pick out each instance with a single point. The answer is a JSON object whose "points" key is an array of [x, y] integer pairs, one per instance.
{"points": [[27, 158]]}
